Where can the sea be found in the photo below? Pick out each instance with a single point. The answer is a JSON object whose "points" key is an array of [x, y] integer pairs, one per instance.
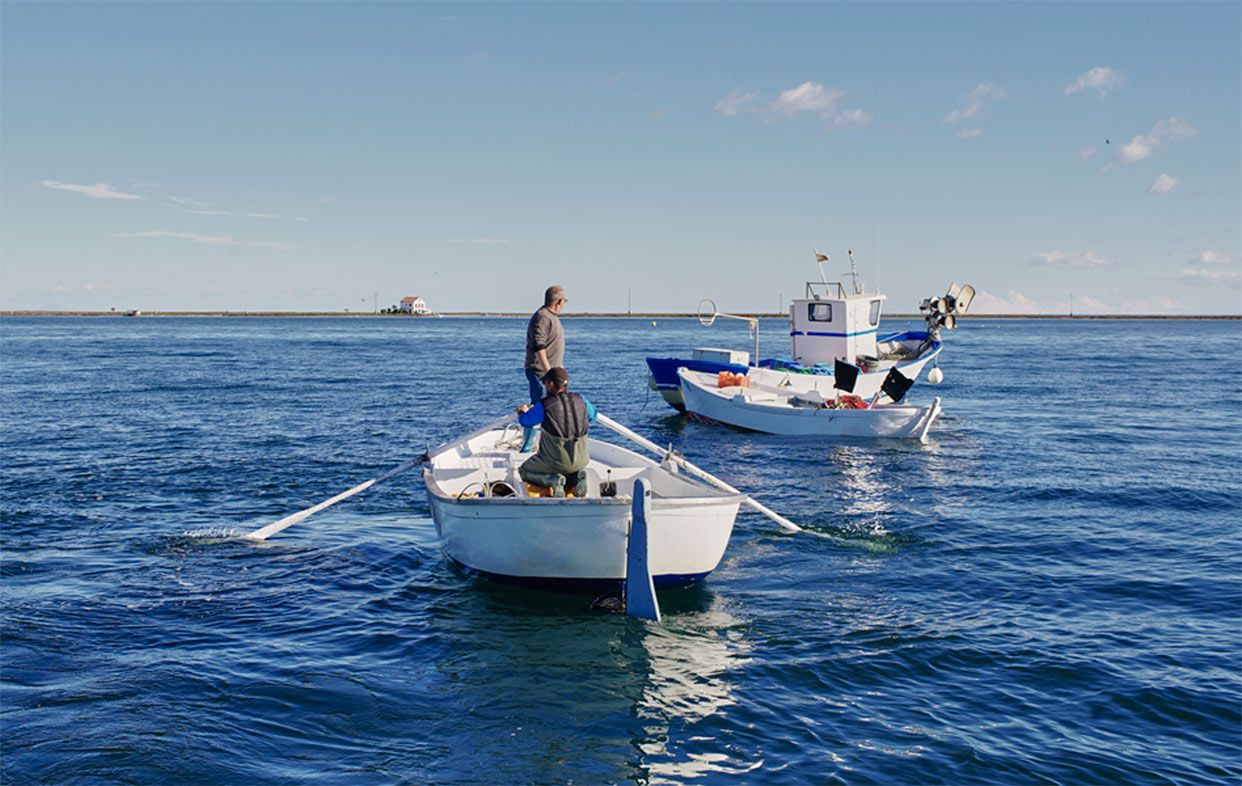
{"points": [[1049, 591]]}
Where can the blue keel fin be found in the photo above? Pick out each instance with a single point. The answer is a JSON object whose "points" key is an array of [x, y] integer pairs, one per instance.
{"points": [[640, 597]]}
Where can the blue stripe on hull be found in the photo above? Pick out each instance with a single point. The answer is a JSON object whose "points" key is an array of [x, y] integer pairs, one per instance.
{"points": [[596, 586]]}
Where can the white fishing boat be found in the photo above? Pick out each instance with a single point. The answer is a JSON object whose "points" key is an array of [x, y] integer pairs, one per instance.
{"points": [[831, 323], [488, 523], [631, 524], [820, 411]]}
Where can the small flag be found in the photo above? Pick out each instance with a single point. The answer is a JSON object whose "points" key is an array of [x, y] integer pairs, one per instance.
{"points": [[896, 384], [845, 374], [821, 257]]}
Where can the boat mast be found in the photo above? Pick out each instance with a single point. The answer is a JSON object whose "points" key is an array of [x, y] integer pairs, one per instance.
{"points": [[854, 272]]}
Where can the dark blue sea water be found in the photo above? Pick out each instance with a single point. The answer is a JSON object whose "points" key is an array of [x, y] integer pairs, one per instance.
{"points": [[1048, 592]]}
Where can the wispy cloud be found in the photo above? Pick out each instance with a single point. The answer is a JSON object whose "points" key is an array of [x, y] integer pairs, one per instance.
{"points": [[302, 218], [1143, 146], [188, 202], [96, 191], [198, 212], [261, 215], [1100, 79], [1012, 302], [849, 117], [972, 106], [1201, 276], [1216, 258], [210, 240], [808, 98], [1087, 152], [1083, 259], [734, 102], [1163, 184], [486, 241]]}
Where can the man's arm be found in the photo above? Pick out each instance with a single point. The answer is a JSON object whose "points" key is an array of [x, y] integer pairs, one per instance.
{"points": [[542, 355], [531, 415]]}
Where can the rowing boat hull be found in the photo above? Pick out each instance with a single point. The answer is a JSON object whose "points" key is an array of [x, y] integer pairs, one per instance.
{"points": [[581, 541]]}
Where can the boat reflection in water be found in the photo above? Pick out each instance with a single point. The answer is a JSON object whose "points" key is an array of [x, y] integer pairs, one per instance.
{"points": [[693, 662], [542, 692]]}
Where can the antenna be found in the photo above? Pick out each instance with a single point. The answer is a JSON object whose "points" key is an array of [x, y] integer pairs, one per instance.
{"points": [[854, 272], [877, 257]]}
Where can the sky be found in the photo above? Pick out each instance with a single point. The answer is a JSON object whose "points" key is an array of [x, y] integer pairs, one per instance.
{"points": [[330, 156]]}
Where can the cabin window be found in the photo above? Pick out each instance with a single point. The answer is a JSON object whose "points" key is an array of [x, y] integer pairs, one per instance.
{"points": [[819, 312], [875, 313]]}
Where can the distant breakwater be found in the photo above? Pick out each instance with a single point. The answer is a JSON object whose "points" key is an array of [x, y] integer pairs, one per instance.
{"points": [[581, 315]]}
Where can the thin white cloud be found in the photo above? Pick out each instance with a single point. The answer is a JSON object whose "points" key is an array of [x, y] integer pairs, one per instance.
{"points": [[807, 97], [1201, 276], [1163, 184], [261, 215], [1216, 258], [188, 202], [96, 191], [209, 212], [210, 240], [1143, 146], [1012, 302], [1161, 305], [1083, 259], [485, 241], [1087, 152], [734, 102], [1100, 79], [972, 105], [850, 117], [301, 218]]}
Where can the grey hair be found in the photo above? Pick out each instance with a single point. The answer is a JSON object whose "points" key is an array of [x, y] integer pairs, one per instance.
{"points": [[553, 294]]}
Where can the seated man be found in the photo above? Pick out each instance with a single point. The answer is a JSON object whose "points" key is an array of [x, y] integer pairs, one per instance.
{"points": [[563, 446]]}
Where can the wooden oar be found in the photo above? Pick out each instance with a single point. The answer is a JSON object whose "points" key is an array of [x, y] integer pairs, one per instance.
{"points": [[263, 533], [698, 473]]}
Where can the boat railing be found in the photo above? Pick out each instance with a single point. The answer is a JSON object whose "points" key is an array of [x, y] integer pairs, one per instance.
{"points": [[824, 290]]}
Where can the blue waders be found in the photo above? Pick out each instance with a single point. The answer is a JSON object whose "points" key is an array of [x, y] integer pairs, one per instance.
{"points": [[536, 395]]}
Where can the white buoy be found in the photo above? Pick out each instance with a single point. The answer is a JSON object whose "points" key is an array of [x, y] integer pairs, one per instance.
{"points": [[935, 376]]}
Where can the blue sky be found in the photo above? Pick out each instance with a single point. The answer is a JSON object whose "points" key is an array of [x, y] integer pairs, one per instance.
{"points": [[306, 155]]}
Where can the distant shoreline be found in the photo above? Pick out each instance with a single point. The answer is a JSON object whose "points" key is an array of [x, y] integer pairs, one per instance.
{"points": [[584, 315]]}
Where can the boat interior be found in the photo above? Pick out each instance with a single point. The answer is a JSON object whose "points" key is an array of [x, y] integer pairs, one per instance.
{"points": [[487, 466]]}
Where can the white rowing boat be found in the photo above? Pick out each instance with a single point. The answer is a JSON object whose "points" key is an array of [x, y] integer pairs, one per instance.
{"points": [[799, 411], [488, 524]]}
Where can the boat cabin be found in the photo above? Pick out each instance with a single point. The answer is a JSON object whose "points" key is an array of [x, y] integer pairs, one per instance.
{"points": [[831, 323]]}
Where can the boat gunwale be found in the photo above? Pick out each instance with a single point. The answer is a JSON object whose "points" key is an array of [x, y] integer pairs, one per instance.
{"points": [[659, 503], [791, 409]]}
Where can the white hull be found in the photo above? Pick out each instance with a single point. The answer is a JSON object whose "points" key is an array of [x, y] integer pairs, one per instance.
{"points": [[867, 385], [771, 409], [573, 540]]}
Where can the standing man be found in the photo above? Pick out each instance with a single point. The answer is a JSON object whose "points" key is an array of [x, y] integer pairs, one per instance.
{"points": [[545, 349]]}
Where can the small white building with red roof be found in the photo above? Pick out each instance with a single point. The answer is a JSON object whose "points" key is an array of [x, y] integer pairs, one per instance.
{"points": [[414, 305]]}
